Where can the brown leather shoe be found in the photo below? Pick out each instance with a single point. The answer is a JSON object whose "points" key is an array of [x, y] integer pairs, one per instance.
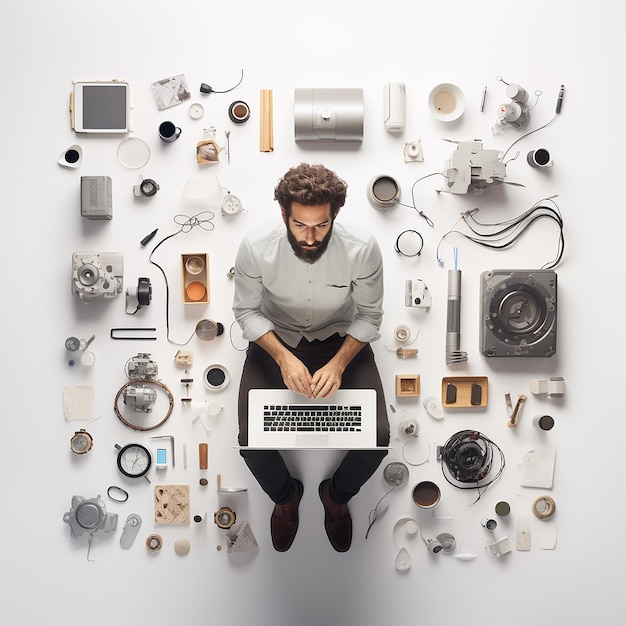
{"points": [[284, 520], [337, 520]]}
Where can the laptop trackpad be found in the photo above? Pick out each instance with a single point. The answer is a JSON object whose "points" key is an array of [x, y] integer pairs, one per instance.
{"points": [[312, 441]]}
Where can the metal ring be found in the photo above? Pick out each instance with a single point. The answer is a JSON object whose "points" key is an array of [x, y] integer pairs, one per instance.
{"points": [[145, 381], [397, 244], [118, 491]]}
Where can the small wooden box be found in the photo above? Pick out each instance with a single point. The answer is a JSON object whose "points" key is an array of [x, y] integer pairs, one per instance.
{"points": [[407, 385], [194, 269], [464, 392]]}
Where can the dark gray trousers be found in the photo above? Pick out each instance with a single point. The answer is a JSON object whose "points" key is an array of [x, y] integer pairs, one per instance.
{"points": [[260, 371]]}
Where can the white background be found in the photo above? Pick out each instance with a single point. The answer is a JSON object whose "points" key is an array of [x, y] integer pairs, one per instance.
{"points": [[281, 46]]}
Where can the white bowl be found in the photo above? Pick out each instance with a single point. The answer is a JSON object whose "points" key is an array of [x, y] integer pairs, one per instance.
{"points": [[446, 102]]}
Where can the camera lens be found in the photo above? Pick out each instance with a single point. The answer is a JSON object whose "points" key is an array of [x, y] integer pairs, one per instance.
{"points": [[88, 275], [72, 156]]}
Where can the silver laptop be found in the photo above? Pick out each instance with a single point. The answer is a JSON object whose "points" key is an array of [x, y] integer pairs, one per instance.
{"points": [[282, 419]]}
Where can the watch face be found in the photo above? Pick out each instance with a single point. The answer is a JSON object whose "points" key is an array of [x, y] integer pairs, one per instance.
{"points": [[81, 442], [134, 460], [231, 205]]}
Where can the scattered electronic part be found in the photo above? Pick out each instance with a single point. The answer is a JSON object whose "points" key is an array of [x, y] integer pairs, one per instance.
{"points": [[207, 89], [409, 428], [472, 168], [154, 542], [88, 516], [147, 188], [183, 358], [405, 353], [559, 100], [231, 205], [139, 296], [148, 238], [416, 294], [133, 460], [454, 354], [514, 113], [130, 530], [553, 387], [222, 489], [161, 458], [413, 151], [467, 460], [74, 344], [96, 197], [514, 411], [71, 157], [396, 474], [500, 547], [518, 313], [394, 107], [97, 275], [225, 518], [186, 382], [447, 542], [81, 442], [142, 366], [328, 114], [141, 395]]}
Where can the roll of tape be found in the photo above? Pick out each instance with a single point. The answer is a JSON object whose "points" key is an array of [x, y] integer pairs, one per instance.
{"points": [[402, 333], [544, 507]]}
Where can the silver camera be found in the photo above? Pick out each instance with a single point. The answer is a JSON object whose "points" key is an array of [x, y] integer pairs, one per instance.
{"points": [[97, 275], [89, 516]]}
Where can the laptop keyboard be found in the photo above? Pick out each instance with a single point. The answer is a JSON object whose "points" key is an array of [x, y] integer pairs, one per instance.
{"points": [[307, 418]]}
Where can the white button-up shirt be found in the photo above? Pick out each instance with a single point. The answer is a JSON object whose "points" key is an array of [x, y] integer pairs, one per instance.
{"points": [[341, 293]]}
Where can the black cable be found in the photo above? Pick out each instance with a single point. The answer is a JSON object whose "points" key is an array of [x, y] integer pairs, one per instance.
{"points": [[204, 88], [526, 135], [510, 231], [414, 205], [469, 472]]}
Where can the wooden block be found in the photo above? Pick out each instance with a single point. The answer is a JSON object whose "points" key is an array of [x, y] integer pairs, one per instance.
{"points": [[407, 385]]}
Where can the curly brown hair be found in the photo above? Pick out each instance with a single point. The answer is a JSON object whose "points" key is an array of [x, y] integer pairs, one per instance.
{"points": [[311, 185]]}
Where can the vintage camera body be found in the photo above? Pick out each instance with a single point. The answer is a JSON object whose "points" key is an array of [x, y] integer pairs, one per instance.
{"points": [[97, 275], [89, 516]]}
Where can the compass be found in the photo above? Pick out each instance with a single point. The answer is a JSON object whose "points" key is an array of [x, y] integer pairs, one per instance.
{"points": [[81, 442], [133, 460]]}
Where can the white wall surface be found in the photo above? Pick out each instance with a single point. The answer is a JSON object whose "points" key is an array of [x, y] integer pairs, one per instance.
{"points": [[283, 45]]}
